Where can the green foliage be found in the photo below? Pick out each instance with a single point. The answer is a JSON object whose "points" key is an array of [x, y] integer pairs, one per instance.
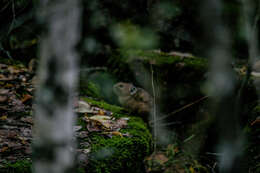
{"points": [[129, 36], [10, 61], [90, 89], [22, 166], [80, 170]]}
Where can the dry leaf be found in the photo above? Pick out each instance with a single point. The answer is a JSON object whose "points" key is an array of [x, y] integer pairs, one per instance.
{"points": [[161, 158], [76, 128], [84, 107], [26, 97], [3, 118], [192, 170], [32, 65], [3, 149], [23, 140], [103, 120], [256, 121], [101, 112], [27, 119], [115, 133], [3, 99]]}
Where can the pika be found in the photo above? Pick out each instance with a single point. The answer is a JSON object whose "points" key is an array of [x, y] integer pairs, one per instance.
{"points": [[133, 98]]}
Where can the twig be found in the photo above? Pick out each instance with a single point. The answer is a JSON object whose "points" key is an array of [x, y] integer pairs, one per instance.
{"points": [[4, 7], [167, 124], [11, 26], [182, 108], [189, 138], [214, 154], [154, 107]]}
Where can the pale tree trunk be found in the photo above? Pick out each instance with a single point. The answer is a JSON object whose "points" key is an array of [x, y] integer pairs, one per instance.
{"points": [[54, 118], [221, 88]]}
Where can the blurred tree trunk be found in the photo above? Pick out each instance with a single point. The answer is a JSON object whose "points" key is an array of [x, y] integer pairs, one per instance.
{"points": [[221, 87], [54, 118]]}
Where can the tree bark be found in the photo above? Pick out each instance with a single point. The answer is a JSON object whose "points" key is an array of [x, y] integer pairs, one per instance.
{"points": [[54, 118]]}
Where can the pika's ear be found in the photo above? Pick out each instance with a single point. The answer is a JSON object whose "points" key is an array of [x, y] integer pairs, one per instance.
{"points": [[132, 90]]}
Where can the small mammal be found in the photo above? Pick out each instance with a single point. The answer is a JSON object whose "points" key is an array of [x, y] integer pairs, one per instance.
{"points": [[133, 98]]}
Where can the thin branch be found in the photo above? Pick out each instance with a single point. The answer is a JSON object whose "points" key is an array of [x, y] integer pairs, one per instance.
{"points": [[13, 21], [181, 109], [154, 107]]}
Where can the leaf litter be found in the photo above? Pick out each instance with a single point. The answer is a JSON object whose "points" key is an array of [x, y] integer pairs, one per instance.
{"points": [[17, 85]]}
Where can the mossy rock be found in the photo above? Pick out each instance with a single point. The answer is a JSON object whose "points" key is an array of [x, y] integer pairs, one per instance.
{"points": [[178, 78], [119, 154], [123, 59]]}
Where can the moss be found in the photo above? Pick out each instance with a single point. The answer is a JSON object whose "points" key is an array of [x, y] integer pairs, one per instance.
{"points": [[121, 154], [90, 89], [81, 122], [80, 170], [21, 166], [257, 109], [118, 154], [164, 58]]}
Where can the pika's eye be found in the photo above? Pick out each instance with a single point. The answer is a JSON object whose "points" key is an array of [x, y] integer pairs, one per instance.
{"points": [[133, 90], [121, 86]]}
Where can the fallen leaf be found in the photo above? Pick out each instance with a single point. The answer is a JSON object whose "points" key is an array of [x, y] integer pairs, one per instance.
{"points": [[26, 132], [26, 97], [12, 134], [27, 119], [76, 128], [4, 91], [103, 120], [28, 150], [17, 105], [84, 107], [3, 149], [32, 65], [161, 158], [23, 140], [256, 121], [81, 134], [3, 118], [101, 112], [86, 151], [115, 133], [9, 85], [192, 170], [14, 70], [3, 99], [4, 78]]}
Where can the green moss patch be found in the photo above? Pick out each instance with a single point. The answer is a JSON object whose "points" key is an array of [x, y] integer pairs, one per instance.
{"points": [[117, 110], [22, 166], [118, 154], [160, 58], [121, 154], [90, 89]]}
